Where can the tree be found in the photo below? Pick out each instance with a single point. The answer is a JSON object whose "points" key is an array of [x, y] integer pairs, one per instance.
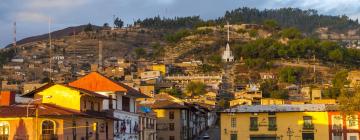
{"points": [[88, 28], [271, 24], [340, 79], [349, 101], [267, 87], [196, 88], [118, 23], [106, 25], [290, 75], [215, 59], [174, 92], [140, 52], [279, 94], [290, 33], [336, 55]]}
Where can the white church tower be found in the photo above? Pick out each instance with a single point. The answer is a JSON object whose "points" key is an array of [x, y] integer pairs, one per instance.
{"points": [[227, 54]]}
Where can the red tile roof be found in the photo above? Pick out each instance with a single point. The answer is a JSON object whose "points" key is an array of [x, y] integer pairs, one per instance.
{"points": [[97, 82], [82, 91], [46, 110]]}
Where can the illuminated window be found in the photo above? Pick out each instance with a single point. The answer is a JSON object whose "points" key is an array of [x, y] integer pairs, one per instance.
{"points": [[352, 122], [233, 122], [4, 130], [48, 130]]}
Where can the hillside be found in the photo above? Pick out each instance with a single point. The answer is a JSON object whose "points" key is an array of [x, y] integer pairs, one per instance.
{"points": [[55, 34], [256, 47]]}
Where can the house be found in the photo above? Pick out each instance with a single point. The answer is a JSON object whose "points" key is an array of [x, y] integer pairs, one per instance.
{"points": [[176, 119], [28, 87], [266, 75], [311, 93], [58, 112], [151, 75], [120, 102], [342, 126], [147, 123], [236, 102], [273, 122], [160, 67]]}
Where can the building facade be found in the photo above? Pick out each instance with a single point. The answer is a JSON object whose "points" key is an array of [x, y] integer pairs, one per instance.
{"points": [[120, 103], [275, 122]]}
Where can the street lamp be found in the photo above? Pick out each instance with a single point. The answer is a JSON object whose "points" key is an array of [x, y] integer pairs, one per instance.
{"points": [[289, 133], [27, 107]]}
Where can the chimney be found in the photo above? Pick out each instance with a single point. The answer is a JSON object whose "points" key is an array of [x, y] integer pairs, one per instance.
{"points": [[7, 98]]}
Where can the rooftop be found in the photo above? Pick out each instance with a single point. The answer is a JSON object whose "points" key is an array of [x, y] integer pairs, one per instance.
{"points": [[281, 108]]}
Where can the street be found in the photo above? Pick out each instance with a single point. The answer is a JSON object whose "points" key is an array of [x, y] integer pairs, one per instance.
{"points": [[213, 132]]}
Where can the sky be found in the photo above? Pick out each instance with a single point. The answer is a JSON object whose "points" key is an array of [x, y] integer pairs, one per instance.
{"points": [[32, 16]]}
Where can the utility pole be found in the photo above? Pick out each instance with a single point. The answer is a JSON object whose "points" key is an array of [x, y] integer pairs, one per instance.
{"points": [[14, 34], [50, 52], [100, 54]]}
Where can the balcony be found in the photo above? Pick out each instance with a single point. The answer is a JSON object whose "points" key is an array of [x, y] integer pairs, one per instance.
{"points": [[254, 128], [308, 126], [150, 126], [337, 127], [272, 128]]}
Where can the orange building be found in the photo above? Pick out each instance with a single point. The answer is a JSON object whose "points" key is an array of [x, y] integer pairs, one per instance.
{"points": [[343, 127], [48, 121]]}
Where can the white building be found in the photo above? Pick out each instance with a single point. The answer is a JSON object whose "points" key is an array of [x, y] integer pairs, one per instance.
{"points": [[121, 103], [227, 54]]}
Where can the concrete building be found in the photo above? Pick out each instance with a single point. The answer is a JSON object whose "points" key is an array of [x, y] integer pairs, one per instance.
{"points": [[120, 103], [58, 112], [147, 125], [274, 122]]}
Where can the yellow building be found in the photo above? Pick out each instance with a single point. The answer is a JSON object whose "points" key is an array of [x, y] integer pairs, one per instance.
{"points": [[58, 112], [271, 101], [275, 122], [161, 68], [240, 102]]}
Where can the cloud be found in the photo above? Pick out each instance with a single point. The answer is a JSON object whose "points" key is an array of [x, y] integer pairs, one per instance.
{"points": [[39, 4], [32, 17]]}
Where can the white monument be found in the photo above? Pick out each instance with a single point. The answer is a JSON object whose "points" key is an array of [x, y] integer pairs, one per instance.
{"points": [[227, 54]]}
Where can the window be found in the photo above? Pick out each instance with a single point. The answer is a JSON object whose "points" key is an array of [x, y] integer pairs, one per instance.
{"points": [[272, 123], [233, 122], [48, 130], [352, 122], [337, 122], [98, 105], [125, 104], [233, 137], [172, 138], [171, 115], [254, 123], [337, 136], [353, 138], [92, 106], [4, 130], [171, 126], [308, 122], [85, 105], [110, 102]]}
